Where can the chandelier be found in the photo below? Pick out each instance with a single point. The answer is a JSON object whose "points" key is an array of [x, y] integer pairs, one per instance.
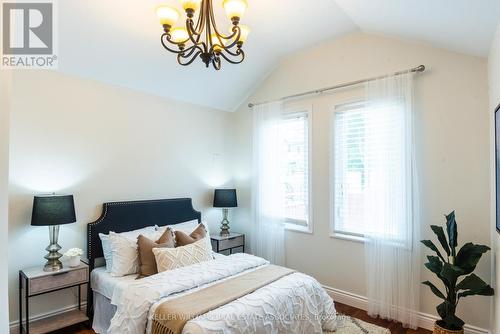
{"points": [[204, 39]]}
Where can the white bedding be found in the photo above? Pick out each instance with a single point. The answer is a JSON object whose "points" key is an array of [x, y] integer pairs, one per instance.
{"points": [[103, 283], [296, 303]]}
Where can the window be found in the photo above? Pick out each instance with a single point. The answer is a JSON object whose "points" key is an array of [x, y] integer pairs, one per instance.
{"points": [[294, 130], [368, 169]]}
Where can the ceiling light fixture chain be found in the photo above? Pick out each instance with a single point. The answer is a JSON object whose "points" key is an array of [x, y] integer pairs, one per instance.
{"points": [[204, 39]]}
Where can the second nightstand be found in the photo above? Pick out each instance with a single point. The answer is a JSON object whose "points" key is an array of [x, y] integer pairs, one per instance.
{"points": [[228, 243], [34, 281]]}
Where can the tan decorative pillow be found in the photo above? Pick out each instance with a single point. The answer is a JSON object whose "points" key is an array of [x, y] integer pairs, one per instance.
{"points": [[172, 258], [182, 239], [145, 246]]}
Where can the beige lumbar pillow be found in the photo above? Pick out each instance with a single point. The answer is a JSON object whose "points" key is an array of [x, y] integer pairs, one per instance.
{"points": [[172, 258], [145, 246], [182, 239]]}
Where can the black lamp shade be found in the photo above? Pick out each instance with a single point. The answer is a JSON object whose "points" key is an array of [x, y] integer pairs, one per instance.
{"points": [[225, 198], [53, 210]]}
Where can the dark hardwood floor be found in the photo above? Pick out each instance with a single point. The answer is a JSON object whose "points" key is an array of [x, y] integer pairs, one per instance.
{"points": [[395, 327]]}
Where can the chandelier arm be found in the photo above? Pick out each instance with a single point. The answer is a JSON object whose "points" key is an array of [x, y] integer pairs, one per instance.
{"points": [[235, 31], [193, 31], [190, 61], [236, 53], [200, 24], [216, 63], [208, 30], [214, 23], [241, 54], [236, 40], [168, 48], [188, 52], [169, 39]]}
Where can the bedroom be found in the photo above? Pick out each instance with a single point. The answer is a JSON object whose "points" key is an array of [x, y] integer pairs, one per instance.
{"points": [[117, 119]]}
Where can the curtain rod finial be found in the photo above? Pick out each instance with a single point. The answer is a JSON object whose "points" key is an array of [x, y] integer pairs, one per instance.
{"points": [[420, 68], [250, 105]]}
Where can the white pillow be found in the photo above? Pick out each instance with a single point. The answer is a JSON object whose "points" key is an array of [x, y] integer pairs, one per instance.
{"points": [[132, 235], [124, 253], [106, 250], [186, 227], [172, 258]]}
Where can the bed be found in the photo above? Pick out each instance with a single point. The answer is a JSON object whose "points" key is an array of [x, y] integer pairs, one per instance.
{"points": [[293, 302]]}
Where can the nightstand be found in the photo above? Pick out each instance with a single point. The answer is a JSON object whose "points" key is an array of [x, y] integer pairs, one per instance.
{"points": [[34, 281], [228, 243]]}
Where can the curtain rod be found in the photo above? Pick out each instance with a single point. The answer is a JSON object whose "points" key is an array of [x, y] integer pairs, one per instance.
{"points": [[419, 68]]}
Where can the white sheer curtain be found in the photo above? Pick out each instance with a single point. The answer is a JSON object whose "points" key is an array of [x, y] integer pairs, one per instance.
{"points": [[391, 209], [268, 234]]}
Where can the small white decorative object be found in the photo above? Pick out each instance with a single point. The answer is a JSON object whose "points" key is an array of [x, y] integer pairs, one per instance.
{"points": [[74, 256]]}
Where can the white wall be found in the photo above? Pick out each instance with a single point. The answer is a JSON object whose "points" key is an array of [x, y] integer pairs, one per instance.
{"points": [[5, 86], [102, 143], [494, 76], [453, 142]]}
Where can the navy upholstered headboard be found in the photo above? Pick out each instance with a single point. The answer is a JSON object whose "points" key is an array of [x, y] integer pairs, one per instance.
{"points": [[133, 215], [128, 216]]}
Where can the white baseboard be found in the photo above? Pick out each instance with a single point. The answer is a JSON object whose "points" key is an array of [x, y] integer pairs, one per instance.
{"points": [[14, 325], [425, 320]]}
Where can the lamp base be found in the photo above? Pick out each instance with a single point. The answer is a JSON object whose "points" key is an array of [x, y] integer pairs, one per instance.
{"points": [[224, 224], [53, 263]]}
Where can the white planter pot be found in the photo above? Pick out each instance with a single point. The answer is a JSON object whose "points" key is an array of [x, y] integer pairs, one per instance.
{"points": [[74, 261]]}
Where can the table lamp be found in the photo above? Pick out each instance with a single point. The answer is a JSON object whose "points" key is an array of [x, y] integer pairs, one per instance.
{"points": [[225, 198], [52, 211]]}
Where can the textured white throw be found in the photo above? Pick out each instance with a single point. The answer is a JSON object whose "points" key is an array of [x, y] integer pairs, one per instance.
{"points": [[293, 298]]}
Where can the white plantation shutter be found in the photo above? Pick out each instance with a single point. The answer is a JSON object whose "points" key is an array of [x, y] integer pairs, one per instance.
{"points": [[368, 168], [348, 163], [294, 130]]}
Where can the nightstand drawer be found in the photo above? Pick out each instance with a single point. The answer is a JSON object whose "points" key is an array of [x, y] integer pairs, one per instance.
{"points": [[231, 243], [57, 281]]}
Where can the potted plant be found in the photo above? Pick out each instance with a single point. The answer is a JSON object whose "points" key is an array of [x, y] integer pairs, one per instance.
{"points": [[449, 269]]}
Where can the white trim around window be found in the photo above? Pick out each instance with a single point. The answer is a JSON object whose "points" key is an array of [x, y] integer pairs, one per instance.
{"points": [[294, 225]]}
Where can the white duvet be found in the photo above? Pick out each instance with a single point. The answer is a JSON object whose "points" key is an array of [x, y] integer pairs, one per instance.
{"points": [[293, 304]]}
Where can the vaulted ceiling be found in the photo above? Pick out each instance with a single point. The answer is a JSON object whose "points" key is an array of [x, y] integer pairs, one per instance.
{"points": [[118, 42]]}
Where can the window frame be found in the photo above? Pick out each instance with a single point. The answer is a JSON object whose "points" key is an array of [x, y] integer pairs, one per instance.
{"points": [[291, 112], [334, 233]]}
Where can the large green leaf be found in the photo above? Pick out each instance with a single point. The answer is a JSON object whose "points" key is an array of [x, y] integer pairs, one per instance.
{"points": [[435, 265], [434, 289], [438, 230], [469, 255], [451, 229], [471, 282], [485, 291], [433, 247], [473, 285], [451, 273]]}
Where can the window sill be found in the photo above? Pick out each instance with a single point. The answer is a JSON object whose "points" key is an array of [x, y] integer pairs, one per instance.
{"points": [[298, 228], [348, 237]]}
